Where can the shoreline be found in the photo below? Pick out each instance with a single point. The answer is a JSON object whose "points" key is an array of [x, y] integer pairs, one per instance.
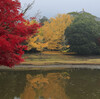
{"points": [[50, 67]]}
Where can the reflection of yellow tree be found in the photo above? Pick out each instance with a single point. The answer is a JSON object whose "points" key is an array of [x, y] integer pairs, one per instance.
{"points": [[55, 88], [50, 87], [34, 86]]}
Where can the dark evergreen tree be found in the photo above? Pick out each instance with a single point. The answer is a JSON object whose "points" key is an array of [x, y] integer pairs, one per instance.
{"points": [[83, 34]]}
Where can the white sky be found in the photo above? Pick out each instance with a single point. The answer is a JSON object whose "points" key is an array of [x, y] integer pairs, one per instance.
{"points": [[50, 8]]}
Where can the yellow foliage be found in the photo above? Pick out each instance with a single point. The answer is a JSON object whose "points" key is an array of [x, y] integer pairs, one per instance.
{"points": [[28, 23], [51, 34], [50, 86]]}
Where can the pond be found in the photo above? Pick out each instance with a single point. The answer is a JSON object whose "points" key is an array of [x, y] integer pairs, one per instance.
{"points": [[50, 84]]}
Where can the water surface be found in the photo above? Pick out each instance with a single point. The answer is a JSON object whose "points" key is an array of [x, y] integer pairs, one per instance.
{"points": [[51, 84]]}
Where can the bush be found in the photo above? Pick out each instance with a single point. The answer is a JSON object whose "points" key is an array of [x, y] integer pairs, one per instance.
{"points": [[83, 33]]}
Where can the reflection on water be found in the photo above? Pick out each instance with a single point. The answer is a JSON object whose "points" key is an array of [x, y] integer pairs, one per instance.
{"points": [[50, 86], [63, 84]]}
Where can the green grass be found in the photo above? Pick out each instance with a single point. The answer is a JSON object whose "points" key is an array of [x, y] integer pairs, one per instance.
{"points": [[49, 58]]}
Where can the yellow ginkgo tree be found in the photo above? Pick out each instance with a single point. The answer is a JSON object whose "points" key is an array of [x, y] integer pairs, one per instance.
{"points": [[51, 34]]}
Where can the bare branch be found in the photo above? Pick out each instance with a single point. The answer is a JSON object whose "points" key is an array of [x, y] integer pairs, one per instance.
{"points": [[29, 6], [38, 15]]}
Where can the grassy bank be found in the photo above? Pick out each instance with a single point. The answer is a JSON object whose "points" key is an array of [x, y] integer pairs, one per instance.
{"points": [[49, 58]]}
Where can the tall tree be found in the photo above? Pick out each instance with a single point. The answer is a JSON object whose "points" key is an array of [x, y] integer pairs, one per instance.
{"points": [[13, 32], [83, 33], [51, 34]]}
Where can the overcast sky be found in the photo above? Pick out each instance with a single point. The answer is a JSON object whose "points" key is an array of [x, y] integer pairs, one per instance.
{"points": [[50, 8]]}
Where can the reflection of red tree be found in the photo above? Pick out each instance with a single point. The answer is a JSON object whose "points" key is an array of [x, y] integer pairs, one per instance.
{"points": [[48, 87]]}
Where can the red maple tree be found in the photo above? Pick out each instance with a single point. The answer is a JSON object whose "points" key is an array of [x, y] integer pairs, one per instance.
{"points": [[13, 32]]}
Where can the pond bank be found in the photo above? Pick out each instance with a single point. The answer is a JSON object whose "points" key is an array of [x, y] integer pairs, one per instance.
{"points": [[51, 58], [49, 67]]}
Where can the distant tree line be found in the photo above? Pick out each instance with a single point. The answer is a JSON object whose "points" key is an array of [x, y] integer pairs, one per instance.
{"points": [[77, 32]]}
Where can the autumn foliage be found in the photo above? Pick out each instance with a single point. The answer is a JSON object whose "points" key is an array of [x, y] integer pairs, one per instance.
{"points": [[40, 86], [51, 34], [13, 32]]}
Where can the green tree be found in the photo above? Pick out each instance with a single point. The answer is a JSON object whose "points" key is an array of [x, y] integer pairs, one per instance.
{"points": [[43, 19], [83, 33]]}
